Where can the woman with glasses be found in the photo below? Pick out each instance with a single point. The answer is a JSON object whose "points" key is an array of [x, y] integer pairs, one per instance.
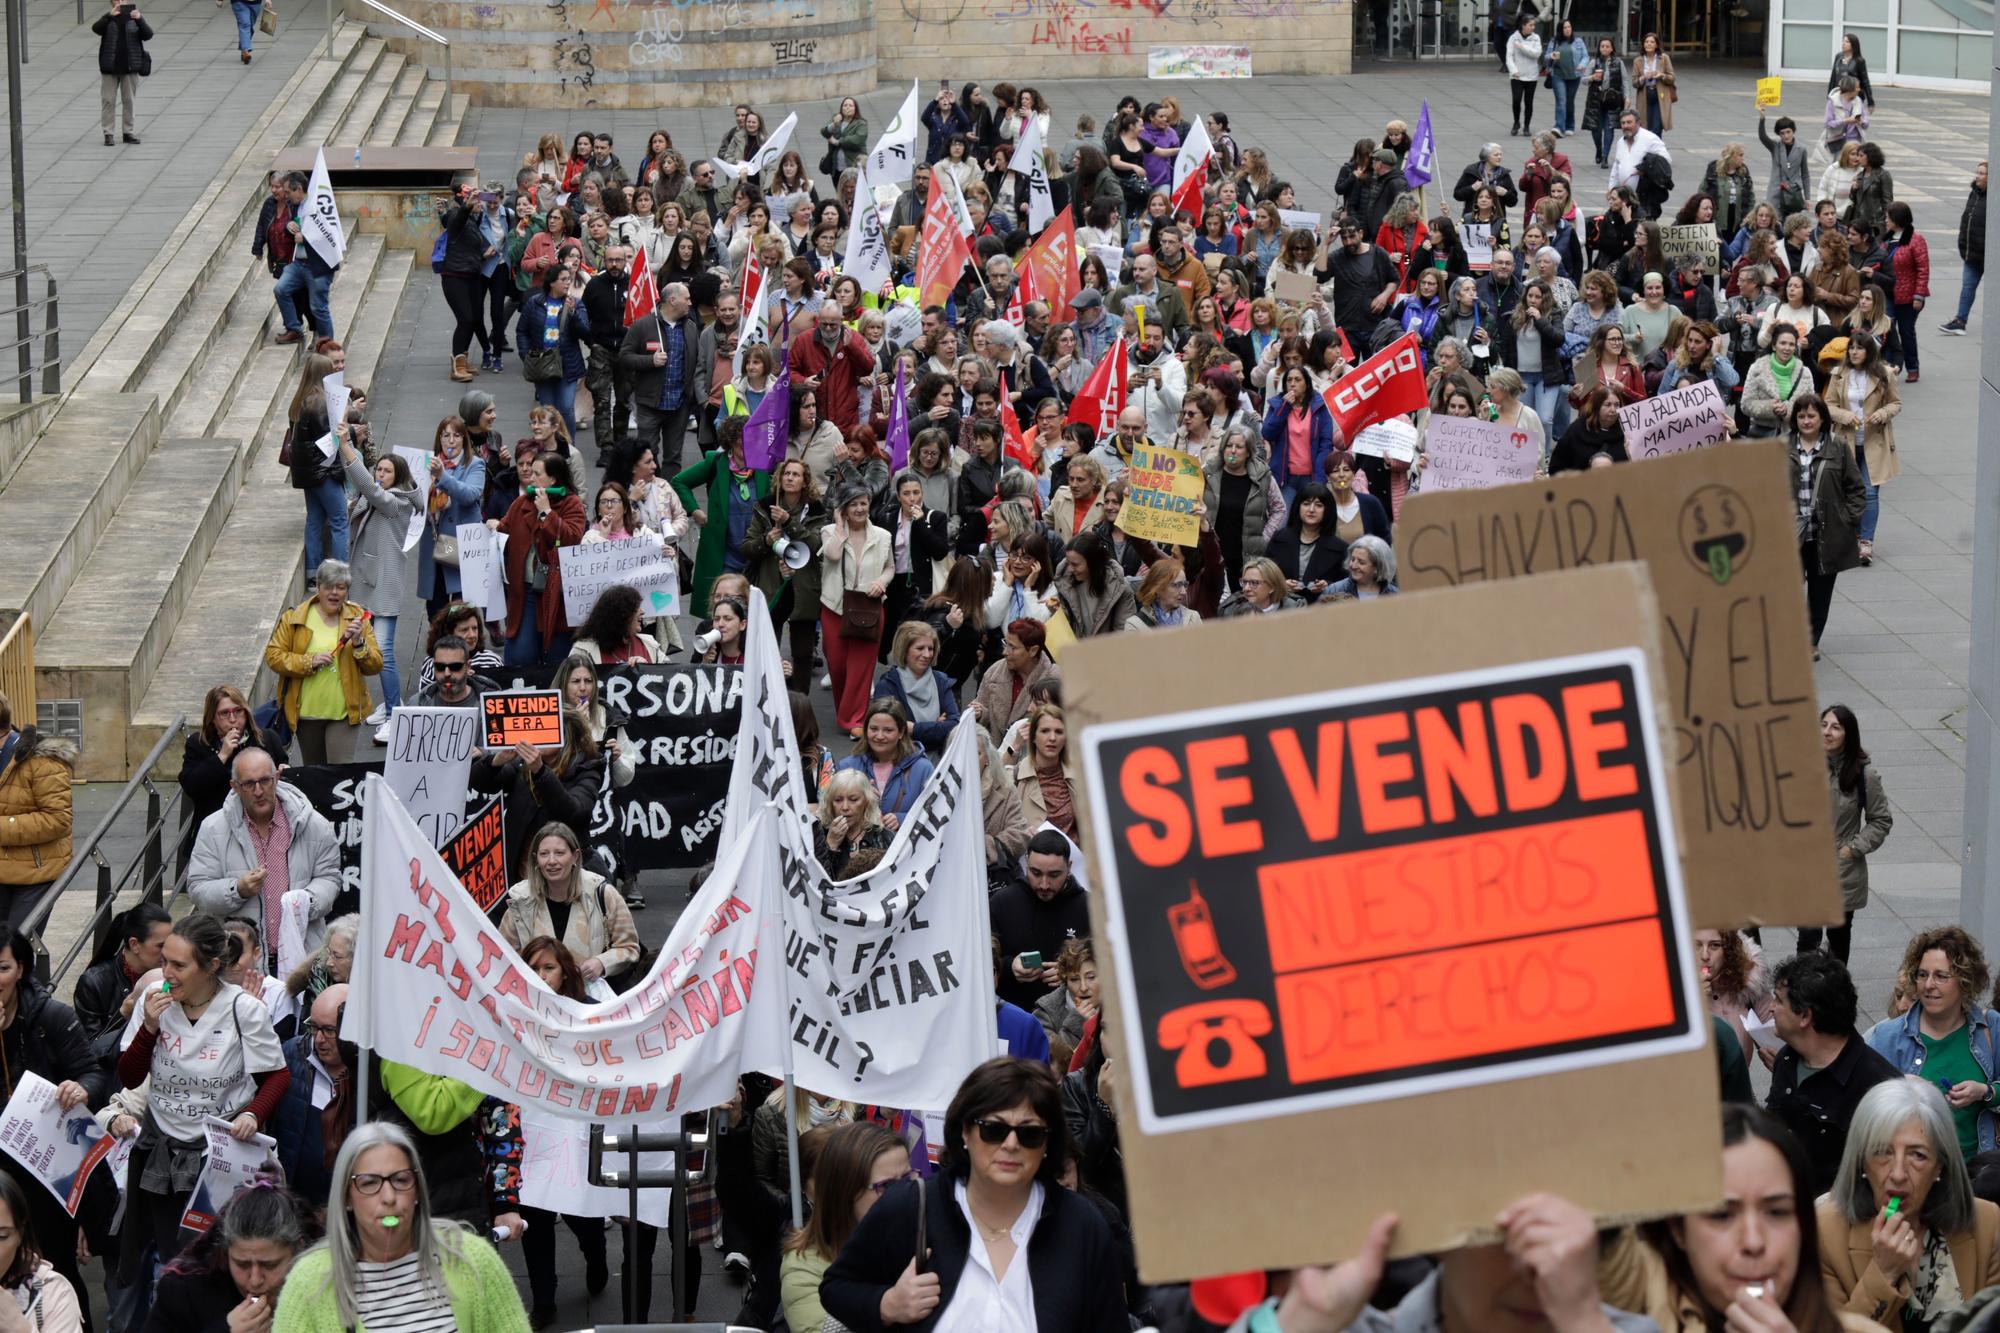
{"points": [[330, 965], [1162, 598], [859, 1162], [1006, 1145], [387, 1263], [227, 725]]}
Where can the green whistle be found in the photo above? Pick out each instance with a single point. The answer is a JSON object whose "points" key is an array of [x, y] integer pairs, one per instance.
{"points": [[1895, 1206], [166, 987], [391, 1221]]}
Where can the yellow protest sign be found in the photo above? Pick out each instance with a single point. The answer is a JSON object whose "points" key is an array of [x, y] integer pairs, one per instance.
{"points": [[1162, 488], [1769, 92], [1058, 632]]}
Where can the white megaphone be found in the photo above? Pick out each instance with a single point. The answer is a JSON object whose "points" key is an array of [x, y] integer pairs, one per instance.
{"points": [[704, 643], [795, 554]]}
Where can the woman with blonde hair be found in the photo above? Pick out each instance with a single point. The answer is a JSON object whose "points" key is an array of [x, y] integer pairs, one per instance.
{"points": [[557, 897], [555, 783], [849, 819], [1078, 505], [1044, 779], [1862, 399], [928, 695]]}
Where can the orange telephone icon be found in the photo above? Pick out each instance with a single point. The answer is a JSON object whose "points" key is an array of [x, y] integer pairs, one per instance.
{"points": [[1215, 1041]]}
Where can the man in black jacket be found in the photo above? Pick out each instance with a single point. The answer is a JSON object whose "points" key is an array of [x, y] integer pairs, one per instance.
{"points": [[1825, 1067], [1037, 914], [122, 60], [264, 244], [665, 374], [610, 387]]}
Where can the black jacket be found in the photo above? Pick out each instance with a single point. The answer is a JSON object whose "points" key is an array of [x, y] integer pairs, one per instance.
{"points": [[1328, 563], [464, 243], [535, 801], [1972, 228], [309, 466], [604, 307], [121, 44], [1073, 1262], [1504, 192], [45, 1038], [1573, 451], [1507, 346], [1697, 302], [193, 1302], [1093, 1132], [1819, 1109], [1026, 924], [100, 1002]]}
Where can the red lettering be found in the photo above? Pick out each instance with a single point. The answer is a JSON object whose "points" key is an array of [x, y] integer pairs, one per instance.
{"points": [[1142, 781], [1514, 717], [1216, 795], [1375, 771], [1315, 787], [1590, 739]]}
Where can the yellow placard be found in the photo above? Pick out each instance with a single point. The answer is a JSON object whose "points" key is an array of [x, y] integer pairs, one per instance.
{"points": [[1769, 92], [1058, 633], [1162, 489]]}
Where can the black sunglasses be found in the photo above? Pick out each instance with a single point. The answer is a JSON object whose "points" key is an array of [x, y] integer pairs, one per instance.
{"points": [[448, 666], [995, 1132]]}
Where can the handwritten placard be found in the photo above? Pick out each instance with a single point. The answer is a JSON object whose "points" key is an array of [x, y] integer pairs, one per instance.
{"points": [[1770, 92], [1465, 453], [1298, 219], [1394, 439], [1675, 422], [1694, 240], [522, 717], [481, 568], [1162, 489], [641, 562], [429, 763]]}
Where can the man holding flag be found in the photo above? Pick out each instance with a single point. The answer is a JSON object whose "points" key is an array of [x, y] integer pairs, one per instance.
{"points": [[666, 376], [605, 304], [319, 247]]}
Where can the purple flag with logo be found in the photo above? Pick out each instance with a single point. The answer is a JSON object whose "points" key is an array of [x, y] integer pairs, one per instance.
{"points": [[899, 425], [769, 428], [1420, 165]]}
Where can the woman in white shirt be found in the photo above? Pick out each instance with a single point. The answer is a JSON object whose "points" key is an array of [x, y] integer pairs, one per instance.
{"points": [[854, 557], [1010, 1248]]}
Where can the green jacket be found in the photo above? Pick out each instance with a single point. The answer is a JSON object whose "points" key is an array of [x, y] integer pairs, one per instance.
{"points": [[712, 472], [484, 1298]]}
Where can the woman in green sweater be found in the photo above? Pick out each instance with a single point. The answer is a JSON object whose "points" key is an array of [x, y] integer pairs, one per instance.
{"points": [[858, 1162], [733, 492], [386, 1258]]}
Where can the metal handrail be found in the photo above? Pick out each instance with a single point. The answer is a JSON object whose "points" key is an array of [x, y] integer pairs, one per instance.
{"points": [[422, 31], [17, 663], [22, 308], [154, 857]]}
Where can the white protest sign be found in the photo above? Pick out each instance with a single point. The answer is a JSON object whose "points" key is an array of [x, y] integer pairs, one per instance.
{"points": [[555, 1171], [420, 472], [59, 1148], [429, 760], [1695, 240], [1477, 237], [319, 218], [1298, 219], [642, 562], [232, 1165], [1465, 453], [480, 572], [1113, 259], [337, 393], [294, 915], [1395, 439], [1675, 422]]}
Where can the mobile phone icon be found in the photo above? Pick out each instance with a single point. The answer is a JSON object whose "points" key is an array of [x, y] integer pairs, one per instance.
{"points": [[1194, 937]]}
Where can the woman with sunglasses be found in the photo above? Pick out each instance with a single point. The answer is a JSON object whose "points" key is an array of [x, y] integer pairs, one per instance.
{"points": [[995, 1203], [859, 1162]]}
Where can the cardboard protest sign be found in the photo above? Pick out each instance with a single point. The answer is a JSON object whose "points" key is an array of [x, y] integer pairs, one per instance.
{"points": [[1696, 239], [480, 570], [1289, 928], [1715, 527], [429, 761], [643, 562], [1292, 285], [232, 1164], [517, 717], [1770, 92], [58, 1148], [1466, 453], [1478, 240], [1675, 422], [1162, 489], [477, 854]]}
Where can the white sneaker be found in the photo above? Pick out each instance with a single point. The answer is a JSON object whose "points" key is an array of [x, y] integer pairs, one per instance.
{"points": [[736, 1262], [379, 716], [826, 681], [382, 734]]}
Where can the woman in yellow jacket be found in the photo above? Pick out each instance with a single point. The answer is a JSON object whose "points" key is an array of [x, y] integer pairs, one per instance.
{"points": [[35, 814], [321, 649], [1861, 398]]}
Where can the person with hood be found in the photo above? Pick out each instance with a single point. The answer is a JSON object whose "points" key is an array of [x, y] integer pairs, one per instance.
{"points": [[265, 841], [35, 813], [123, 60], [1971, 249], [1037, 912], [891, 758]]}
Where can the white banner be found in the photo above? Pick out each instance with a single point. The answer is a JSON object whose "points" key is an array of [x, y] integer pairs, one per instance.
{"points": [[481, 571], [294, 915], [57, 1148], [891, 162], [429, 760], [555, 1171], [420, 472], [643, 562], [231, 1166], [319, 218], [764, 158], [1028, 161]]}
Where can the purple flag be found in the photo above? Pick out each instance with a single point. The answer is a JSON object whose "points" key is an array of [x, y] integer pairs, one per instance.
{"points": [[1420, 164], [899, 425], [769, 429]]}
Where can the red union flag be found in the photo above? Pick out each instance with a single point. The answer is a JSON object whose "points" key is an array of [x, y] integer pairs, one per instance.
{"points": [[1102, 396], [1052, 259], [942, 254], [1386, 385], [644, 293]]}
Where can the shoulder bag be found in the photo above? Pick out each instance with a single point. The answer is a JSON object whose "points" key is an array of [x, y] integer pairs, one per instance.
{"points": [[267, 19], [860, 614]]}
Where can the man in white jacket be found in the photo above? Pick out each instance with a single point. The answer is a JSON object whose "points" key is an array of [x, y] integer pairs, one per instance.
{"points": [[1633, 146], [1156, 382], [265, 841]]}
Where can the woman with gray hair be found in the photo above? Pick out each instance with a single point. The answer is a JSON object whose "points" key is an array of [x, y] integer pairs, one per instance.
{"points": [[1902, 1240], [321, 649], [1371, 572], [387, 1262]]}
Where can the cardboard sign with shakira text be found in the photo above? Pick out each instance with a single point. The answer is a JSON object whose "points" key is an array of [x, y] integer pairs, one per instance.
{"points": [[1715, 528], [1411, 912]]}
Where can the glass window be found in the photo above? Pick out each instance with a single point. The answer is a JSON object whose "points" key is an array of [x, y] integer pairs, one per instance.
{"points": [[1937, 55], [1860, 12], [1807, 45], [1961, 14], [1796, 10]]}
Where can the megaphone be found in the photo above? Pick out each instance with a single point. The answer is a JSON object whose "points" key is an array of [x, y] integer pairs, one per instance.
{"points": [[795, 554], [704, 642]]}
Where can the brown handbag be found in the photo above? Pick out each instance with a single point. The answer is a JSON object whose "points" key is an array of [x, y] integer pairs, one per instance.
{"points": [[860, 614]]}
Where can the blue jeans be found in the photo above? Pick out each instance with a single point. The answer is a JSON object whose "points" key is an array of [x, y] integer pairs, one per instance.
{"points": [[1542, 395], [1650, 105], [561, 395], [1968, 287], [392, 680], [294, 282], [246, 21], [1566, 103], [1873, 510], [1906, 329], [1607, 130], [525, 646], [326, 502]]}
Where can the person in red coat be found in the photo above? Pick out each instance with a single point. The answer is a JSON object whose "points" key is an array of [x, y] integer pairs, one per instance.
{"points": [[1912, 266], [832, 360], [1544, 165], [546, 516]]}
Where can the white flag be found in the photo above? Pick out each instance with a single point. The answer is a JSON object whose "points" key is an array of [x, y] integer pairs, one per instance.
{"points": [[890, 162], [764, 158], [1028, 161], [319, 219], [1192, 161]]}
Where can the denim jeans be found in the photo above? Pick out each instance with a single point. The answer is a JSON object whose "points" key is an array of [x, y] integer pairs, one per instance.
{"points": [[1906, 329], [1873, 510], [1566, 103], [392, 680], [1968, 287], [525, 646], [1607, 130], [1542, 395], [326, 502], [294, 282], [246, 22], [561, 395]]}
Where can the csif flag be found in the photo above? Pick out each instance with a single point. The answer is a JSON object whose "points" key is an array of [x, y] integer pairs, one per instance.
{"points": [[888, 164], [768, 431], [942, 253], [1420, 163], [1102, 397], [1191, 170], [764, 158], [319, 217], [1028, 161], [644, 292], [1386, 385]]}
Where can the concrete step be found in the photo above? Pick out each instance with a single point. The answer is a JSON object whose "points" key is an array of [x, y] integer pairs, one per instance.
{"points": [[20, 424], [63, 495], [109, 633], [319, 127], [423, 119], [361, 113], [444, 133], [254, 571], [118, 356], [397, 109], [207, 330], [210, 386]]}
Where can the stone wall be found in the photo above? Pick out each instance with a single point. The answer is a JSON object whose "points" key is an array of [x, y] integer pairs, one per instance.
{"points": [[1069, 39]]}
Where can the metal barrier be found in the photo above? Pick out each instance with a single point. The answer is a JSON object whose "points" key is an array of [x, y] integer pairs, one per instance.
{"points": [[154, 859], [445, 109], [25, 337], [17, 666]]}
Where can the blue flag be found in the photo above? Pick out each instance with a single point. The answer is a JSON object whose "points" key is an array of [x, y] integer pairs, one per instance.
{"points": [[1420, 166], [899, 424]]}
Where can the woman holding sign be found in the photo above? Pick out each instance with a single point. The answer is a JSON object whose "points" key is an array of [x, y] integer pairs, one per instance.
{"points": [[547, 516], [210, 1053], [386, 499], [543, 787]]}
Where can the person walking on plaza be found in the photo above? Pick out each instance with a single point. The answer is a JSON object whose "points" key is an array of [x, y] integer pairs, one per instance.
{"points": [[1971, 249], [1524, 67], [122, 60], [35, 775]]}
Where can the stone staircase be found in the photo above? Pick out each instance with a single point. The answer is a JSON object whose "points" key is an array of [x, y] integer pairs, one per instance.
{"points": [[153, 536]]}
